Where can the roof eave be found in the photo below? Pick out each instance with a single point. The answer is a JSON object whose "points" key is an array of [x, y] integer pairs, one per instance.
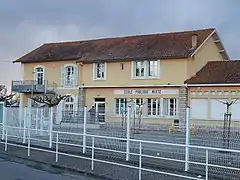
{"points": [[212, 84], [201, 45]]}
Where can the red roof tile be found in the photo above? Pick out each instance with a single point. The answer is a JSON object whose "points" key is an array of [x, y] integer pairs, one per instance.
{"points": [[217, 72], [164, 46]]}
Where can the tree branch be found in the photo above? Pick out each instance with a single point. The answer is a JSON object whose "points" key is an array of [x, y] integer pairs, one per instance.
{"points": [[51, 100]]}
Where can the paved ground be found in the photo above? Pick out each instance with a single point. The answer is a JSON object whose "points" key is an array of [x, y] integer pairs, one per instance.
{"points": [[15, 171]]}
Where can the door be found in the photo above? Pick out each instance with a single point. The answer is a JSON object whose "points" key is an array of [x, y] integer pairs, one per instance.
{"points": [[100, 109]]}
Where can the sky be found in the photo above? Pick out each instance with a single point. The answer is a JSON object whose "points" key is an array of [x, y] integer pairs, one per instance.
{"points": [[27, 24]]}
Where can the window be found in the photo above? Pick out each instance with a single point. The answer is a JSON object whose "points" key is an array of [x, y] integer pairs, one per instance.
{"points": [[145, 69], [154, 107], [69, 76], [39, 75], [170, 107], [69, 104], [99, 71], [138, 105], [120, 106]]}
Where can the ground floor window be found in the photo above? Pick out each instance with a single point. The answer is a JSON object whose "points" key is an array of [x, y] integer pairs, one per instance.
{"points": [[154, 107], [169, 106], [69, 104], [119, 106]]}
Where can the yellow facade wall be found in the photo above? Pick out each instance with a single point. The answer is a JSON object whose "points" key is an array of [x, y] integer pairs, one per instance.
{"points": [[208, 52], [108, 94]]}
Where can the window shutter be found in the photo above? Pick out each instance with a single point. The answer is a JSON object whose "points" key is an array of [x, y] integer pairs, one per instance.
{"points": [[159, 69], [75, 76], [133, 70], [105, 71], [62, 76], [94, 71], [59, 111]]}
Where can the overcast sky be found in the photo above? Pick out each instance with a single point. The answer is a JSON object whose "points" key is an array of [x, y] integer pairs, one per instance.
{"points": [[26, 24]]}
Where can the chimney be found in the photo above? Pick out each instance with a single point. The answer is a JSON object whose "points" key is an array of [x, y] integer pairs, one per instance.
{"points": [[194, 40]]}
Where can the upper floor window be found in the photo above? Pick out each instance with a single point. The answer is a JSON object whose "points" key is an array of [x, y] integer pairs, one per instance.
{"points": [[99, 71], [145, 69], [69, 77], [39, 75]]}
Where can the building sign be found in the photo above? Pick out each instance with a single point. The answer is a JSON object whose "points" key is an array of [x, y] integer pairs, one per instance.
{"points": [[146, 91]]}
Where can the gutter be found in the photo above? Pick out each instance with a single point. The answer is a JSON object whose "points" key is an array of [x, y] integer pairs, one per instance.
{"points": [[134, 86], [212, 85]]}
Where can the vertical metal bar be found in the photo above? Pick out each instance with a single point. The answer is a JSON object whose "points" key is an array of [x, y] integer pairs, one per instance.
{"points": [[187, 139], [93, 153], [36, 123], [29, 138], [4, 121], [6, 136], [50, 127], [206, 173], [57, 148], [24, 124], [84, 129], [140, 162], [128, 135], [41, 121]]}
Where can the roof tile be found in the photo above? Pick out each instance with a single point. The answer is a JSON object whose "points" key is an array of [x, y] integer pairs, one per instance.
{"points": [[165, 45], [217, 72]]}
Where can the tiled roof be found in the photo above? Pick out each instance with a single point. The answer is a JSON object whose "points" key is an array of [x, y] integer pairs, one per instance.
{"points": [[217, 72], [164, 46]]}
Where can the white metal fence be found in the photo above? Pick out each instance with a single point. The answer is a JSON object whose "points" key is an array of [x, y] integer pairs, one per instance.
{"points": [[39, 127]]}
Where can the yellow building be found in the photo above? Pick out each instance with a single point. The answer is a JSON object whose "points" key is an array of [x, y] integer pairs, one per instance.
{"points": [[149, 70], [216, 84]]}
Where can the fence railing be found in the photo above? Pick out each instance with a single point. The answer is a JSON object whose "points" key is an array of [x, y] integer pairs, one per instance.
{"points": [[139, 153], [34, 128]]}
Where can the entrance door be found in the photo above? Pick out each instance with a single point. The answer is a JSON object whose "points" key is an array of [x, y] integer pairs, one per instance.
{"points": [[100, 109]]}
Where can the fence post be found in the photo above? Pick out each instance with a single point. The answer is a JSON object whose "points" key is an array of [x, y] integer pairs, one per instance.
{"points": [[41, 121], [4, 122], [140, 162], [206, 173], [93, 153], [29, 141], [57, 149], [84, 129], [36, 123], [50, 127], [128, 134], [187, 138], [24, 125], [6, 137]]}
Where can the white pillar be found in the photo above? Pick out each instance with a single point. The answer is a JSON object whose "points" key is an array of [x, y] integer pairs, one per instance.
{"points": [[84, 129], [50, 127], [59, 112], [21, 110], [187, 138], [128, 134]]}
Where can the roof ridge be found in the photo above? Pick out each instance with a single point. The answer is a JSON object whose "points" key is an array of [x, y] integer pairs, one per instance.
{"points": [[129, 36]]}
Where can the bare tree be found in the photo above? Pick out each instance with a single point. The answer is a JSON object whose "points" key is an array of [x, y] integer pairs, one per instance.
{"points": [[6, 98], [228, 104], [227, 122], [50, 100]]}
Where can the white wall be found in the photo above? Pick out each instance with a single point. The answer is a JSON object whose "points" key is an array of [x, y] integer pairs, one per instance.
{"points": [[199, 108]]}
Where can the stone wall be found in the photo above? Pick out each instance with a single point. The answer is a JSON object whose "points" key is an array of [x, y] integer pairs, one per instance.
{"points": [[81, 98], [183, 103]]}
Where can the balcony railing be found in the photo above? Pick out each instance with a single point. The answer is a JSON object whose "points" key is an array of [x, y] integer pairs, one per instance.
{"points": [[32, 86]]}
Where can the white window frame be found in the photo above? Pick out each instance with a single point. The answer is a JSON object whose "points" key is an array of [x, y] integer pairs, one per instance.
{"points": [[167, 112], [95, 71], [74, 77], [145, 66], [158, 109], [118, 106], [70, 104], [35, 74]]}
